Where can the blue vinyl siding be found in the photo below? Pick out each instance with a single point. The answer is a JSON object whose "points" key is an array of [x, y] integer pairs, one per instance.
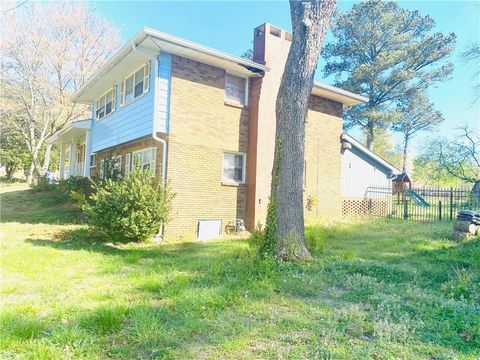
{"points": [[359, 172], [163, 91], [134, 120]]}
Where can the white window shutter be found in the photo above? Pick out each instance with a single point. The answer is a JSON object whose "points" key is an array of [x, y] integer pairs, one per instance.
{"points": [[128, 158], [146, 78], [122, 93], [114, 98]]}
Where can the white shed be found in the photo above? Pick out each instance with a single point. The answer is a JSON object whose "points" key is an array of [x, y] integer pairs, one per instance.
{"points": [[362, 168]]}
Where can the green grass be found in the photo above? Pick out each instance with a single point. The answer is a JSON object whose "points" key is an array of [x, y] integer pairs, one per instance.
{"points": [[377, 290]]}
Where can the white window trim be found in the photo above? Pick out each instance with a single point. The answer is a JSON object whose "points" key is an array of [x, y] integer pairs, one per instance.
{"points": [[227, 101], [114, 107], [123, 82], [244, 168], [132, 159]]}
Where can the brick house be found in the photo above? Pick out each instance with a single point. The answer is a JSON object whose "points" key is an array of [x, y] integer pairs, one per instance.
{"points": [[204, 120]]}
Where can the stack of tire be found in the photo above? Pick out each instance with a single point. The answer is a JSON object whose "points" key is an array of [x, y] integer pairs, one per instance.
{"points": [[467, 225]]}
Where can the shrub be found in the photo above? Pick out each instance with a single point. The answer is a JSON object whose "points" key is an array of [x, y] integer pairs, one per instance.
{"points": [[44, 183], [131, 209], [78, 188]]}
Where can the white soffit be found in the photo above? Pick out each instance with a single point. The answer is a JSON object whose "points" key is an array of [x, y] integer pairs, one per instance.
{"points": [[337, 94], [127, 60]]}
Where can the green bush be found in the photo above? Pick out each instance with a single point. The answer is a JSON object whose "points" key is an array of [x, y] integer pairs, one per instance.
{"points": [[131, 209], [43, 183]]}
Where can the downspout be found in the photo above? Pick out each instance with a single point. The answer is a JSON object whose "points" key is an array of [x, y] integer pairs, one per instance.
{"points": [[155, 137]]}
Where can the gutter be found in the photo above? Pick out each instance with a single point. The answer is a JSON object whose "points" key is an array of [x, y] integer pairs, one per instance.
{"points": [[340, 91]]}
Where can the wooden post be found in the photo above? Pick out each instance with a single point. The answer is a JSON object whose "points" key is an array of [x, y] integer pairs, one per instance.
{"points": [[451, 204], [439, 209], [405, 207]]}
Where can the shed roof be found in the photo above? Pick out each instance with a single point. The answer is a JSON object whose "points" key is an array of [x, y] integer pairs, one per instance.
{"points": [[358, 145]]}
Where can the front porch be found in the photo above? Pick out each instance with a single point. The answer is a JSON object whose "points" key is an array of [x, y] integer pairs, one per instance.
{"points": [[73, 141]]}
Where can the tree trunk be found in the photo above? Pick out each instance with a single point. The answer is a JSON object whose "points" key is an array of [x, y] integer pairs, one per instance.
{"points": [[476, 191], [310, 21], [29, 174], [406, 140], [370, 136], [46, 161], [10, 170]]}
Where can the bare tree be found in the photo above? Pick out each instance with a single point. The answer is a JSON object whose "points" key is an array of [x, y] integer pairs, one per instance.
{"points": [[459, 157], [285, 219], [48, 50], [472, 56]]}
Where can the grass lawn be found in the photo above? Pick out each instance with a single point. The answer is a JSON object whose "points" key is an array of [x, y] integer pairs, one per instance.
{"points": [[378, 290]]}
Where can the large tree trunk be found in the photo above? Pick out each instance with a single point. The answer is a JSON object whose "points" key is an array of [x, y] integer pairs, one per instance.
{"points": [[370, 135], [29, 174], [310, 20], [46, 160], [10, 170]]}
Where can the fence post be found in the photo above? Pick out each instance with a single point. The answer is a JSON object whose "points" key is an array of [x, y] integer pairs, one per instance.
{"points": [[405, 207], [451, 203], [440, 210]]}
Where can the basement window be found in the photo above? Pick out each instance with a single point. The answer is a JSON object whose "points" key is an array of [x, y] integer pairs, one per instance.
{"points": [[236, 90], [233, 168]]}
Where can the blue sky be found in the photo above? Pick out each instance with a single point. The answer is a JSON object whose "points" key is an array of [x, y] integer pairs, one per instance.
{"points": [[228, 26]]}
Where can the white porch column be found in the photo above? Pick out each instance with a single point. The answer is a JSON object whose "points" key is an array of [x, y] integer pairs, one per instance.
{"points": [[86, 162], [73, 158], [62, 161]]}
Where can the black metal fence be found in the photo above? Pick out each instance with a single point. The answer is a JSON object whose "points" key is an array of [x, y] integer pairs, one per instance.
{"points": [[421, 203]]}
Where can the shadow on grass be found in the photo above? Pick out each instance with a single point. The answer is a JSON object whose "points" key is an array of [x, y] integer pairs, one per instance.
{"points": [[194, 298], [34, 207]]}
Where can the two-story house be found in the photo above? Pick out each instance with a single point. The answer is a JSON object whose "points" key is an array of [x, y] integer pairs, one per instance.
{"points": [[205, 121]]}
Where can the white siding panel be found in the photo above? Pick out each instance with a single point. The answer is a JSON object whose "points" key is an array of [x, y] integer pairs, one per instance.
{"points": [[359, 172]]}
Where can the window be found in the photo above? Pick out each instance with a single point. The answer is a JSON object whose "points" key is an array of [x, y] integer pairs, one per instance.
{"points": [[106, 104], [93, 160], [234, 168], [115, 167], [235, 89], [145, 159], [136, 84]]}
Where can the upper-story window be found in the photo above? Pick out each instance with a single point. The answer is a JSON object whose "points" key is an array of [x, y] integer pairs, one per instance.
{"points": [[236, 89], [106, 104], [136, 84]]}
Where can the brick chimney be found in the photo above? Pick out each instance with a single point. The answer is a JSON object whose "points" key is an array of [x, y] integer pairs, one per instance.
{"points": [[270, 48]]}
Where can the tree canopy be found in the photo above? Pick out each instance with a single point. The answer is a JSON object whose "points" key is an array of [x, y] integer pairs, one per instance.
{"points": [[416, 113], [385, 53], [48, 51]]}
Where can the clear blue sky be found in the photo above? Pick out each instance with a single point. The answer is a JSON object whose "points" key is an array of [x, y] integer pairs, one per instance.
{"points": [[228, 26]]}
